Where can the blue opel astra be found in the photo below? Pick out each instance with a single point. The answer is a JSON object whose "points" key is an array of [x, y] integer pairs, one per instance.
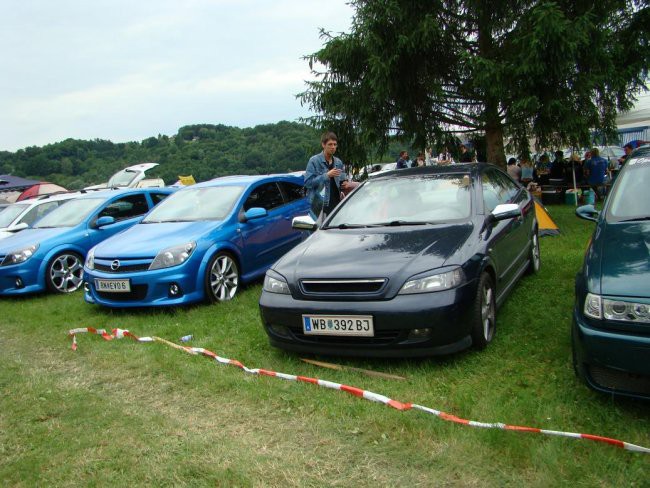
{"points": [[50, 255], [200, 244]]}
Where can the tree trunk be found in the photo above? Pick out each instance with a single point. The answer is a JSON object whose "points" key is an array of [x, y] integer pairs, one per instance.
{"points": [[494, 137]]}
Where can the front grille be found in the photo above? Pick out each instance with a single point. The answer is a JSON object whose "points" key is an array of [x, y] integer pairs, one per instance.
{"points": [[342, 287], [124, 268], [138, 292], [381, 337], [621, 381]]}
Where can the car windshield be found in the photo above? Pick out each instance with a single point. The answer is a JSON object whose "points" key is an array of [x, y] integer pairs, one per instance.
{"points": [[9, 214], [193, 204], [70, 213], [417, 199], [629, 198], [123, 178]]}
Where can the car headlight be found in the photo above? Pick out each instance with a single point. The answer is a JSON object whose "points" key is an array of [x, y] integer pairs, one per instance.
{"points": [[90, 259], [597, 307], [173, 256], [432, 283], [19, 256], [275, 283]]}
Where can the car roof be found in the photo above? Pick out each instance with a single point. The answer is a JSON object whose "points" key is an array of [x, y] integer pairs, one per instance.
{"points": [[108, 193], [451, 169], [245, 180]]}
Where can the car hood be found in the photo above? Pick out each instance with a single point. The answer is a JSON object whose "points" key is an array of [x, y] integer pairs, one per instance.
{"points": [[374, 253], [624, 250], [148, 239], [28, 237]]}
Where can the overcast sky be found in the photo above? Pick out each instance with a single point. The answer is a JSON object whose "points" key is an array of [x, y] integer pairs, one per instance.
{"points": [[125, 70]]}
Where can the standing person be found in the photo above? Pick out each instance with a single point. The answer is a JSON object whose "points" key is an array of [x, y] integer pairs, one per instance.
{"points": [[465, 156], [403, 161], [628, 150], [558, 168], [596, 169], [428, 153], [445, 156], [513, 170], [325, 178]]}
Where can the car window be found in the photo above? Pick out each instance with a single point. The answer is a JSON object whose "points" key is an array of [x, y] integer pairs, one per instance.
{"points": [[71, 213], [292, 191], [126, 207], [497, 189], [9, 214], [37, 212], [158, 197], [629, 197], [196, 203], [266, 196]]}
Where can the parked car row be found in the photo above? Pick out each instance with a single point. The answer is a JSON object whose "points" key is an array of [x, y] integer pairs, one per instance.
{"points": [[412, 263]]}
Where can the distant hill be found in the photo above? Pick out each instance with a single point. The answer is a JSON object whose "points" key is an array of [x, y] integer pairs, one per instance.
{"points": [[203, 150]]}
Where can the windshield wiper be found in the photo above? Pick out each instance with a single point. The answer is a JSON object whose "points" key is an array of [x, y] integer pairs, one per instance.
{"points": [[348, 226], [398, 223]]}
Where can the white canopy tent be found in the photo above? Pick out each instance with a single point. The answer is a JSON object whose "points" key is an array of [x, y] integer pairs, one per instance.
{"points": [[635, 124]]}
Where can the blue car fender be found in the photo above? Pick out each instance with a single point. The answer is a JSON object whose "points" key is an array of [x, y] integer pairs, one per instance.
{"points": [[219, 246], [45, 262]]}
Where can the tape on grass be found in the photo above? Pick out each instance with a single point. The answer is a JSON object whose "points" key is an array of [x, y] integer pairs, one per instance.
{"points": [[358, 392]]}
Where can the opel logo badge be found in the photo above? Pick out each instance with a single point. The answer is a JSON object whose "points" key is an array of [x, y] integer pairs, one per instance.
{"points": [[115, 265]]}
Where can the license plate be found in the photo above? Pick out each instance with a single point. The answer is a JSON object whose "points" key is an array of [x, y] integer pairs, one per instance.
{"points": [[113, 286], [338, 325]]}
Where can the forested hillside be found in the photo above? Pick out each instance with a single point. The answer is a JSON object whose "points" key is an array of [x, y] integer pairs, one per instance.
{"points": [[204, 151]]}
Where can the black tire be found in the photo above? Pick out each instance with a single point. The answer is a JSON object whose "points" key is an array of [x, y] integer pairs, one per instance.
{"points": [[221, 278], [484, 313], [534, 256], [64, 273]]}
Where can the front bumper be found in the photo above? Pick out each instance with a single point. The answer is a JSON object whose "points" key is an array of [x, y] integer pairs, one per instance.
{"points": [[612, 361], [28, 273], [446, 314], [148, 288]]}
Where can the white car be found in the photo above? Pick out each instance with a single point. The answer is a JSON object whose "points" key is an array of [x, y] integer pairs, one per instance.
{"points": [[23, 214], [131, 177]]}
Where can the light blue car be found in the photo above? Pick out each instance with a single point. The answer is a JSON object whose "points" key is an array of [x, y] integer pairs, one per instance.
{"points": [[199, 244], [50, 255]]}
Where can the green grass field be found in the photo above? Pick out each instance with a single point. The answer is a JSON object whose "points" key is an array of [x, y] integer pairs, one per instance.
{"points": [[122, 413]]}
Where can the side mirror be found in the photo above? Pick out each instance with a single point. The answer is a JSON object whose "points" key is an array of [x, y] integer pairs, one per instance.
{"points": [[505, 211], [304, 222], [254, 213], [104, 221], [588, 212], [18, 227]]}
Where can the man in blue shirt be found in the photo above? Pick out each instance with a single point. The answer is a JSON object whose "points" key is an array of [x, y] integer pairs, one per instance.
{"points": [[325, 178], [403, 161], [597, 172]]}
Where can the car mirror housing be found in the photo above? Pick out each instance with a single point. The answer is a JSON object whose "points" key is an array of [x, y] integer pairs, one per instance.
{"points": [[304, 222], [588, 212], [506, 211], [255, 213], [18, 227], [104, 221]]}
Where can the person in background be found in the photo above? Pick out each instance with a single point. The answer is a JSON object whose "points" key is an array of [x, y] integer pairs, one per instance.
{"points": [[596, 169], [445, 156], [428, 156], [403, 161], [628, 150], [575, 163], [419, 161], [544, 164], [558, 168], [325, 178], [513, 170], [527, 171], [465, 155]]}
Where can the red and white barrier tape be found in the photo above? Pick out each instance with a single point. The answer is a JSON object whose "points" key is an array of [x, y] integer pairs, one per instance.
{"points": [[358, 392]]}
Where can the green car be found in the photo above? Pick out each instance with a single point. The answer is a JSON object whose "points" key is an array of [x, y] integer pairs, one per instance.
{"points": [[611, 318]]}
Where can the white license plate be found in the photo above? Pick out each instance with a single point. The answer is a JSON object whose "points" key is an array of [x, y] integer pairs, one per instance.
{"points": [[338, 325], [113, 286]]}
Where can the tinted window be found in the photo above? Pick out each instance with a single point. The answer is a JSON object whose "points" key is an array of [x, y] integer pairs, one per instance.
{"points": [[158, 197], [39, 211], [266, 196], [126, 207], [193, 204], [70, 213], [497, 189], [292, 191]]}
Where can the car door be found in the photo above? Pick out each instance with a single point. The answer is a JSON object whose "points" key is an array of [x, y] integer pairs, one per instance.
{"points": [[264, 239], [505, 237], [127, 211]]}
